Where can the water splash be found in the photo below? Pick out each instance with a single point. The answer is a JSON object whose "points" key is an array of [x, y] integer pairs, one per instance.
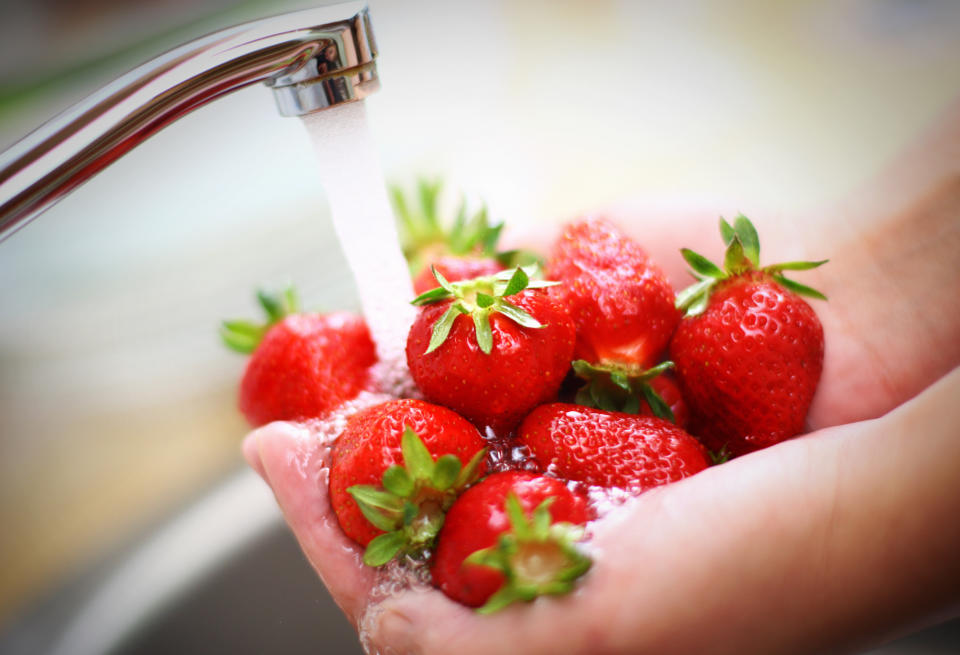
{"points": [[363, 219]]}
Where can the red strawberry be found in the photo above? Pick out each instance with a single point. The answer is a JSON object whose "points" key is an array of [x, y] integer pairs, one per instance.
{"points": [[302, 365], [396, 469], [610, 449], [490, 358], [620, 300], [750, 351], [511, 537], [455, 269]]}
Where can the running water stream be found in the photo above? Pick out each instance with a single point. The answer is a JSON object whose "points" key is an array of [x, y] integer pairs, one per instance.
{"points": [[364, 222]]}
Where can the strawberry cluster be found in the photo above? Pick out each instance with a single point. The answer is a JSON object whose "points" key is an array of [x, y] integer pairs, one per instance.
{"points": [[571, 369]]}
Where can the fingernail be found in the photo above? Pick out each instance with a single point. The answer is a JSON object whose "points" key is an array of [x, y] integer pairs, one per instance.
{"points": [[394, 633]]}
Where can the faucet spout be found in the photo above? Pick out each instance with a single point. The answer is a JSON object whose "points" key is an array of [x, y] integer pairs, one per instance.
{"points": [[312, 59]]}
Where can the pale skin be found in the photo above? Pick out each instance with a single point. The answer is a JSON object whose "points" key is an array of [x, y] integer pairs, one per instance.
{"points": [[831, 542]]}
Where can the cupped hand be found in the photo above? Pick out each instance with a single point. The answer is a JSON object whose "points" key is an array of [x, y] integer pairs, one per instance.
{"points": [[826, 543], [821, 544]]}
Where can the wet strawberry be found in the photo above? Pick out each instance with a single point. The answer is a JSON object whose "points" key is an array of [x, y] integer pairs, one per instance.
{"points": [[610, 449], [395, 471], [302, 365], [511, 537], [749, 352], [491, 348], [619, 299]]}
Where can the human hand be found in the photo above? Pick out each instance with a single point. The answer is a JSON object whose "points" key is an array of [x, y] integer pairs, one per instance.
{"points": [[828, 542]]}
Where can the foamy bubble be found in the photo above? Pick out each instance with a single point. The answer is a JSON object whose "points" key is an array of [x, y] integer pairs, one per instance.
{"points": [[329, 428]]}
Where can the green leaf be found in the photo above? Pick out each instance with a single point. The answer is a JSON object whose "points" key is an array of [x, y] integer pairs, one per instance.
{"points": [[726, 231], [583, 396], [458, 229], [698, 306], [517, 315], [518, 519], [719, 457], [799, 289], [441, 280], [445, 472], [620, 379], [241, 336], [631, 405], [654, 371], [381, 519], [502, 598], [383, 548], [481, 325], [513, 258], [271, 304], [518, 282], [750, 240], [399, 201], [583, 368], [373, 497], [491, 557], [657, 405], [397, 481], [491, 236], [794, 266], [410, 512], [701, 264], [484, 300], [291, 301], [735, 260], [431, 296], [694, 292], [416, 457], [542, 284], [542, 519], [429, 190], [441, 329], [469, 472]]}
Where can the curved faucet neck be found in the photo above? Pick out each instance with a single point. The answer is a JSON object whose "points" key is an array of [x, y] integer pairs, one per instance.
{"points": [[312, 59]]}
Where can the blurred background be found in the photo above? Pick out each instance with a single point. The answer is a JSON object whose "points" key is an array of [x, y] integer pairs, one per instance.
{"points": [[117, 403]]}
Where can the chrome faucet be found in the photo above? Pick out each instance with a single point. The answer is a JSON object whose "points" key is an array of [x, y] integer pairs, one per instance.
{"points": [[312, 60]]}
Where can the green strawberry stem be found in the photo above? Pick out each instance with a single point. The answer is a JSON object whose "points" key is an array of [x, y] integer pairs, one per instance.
{"points": [[536, 557], [479, 298], [410, 505], [741, 257], [620, 389], [244, 336], [424, 235]]}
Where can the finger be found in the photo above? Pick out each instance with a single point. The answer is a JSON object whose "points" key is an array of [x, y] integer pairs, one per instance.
{"points": [[294, 462], [428, 623]]}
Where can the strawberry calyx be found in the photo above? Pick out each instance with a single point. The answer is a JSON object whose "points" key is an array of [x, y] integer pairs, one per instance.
{"points": [[479, 298], [243, 336], [618, 388], [721, 456], [425, 235], [536, 557], [412, 500], [742, 257]]}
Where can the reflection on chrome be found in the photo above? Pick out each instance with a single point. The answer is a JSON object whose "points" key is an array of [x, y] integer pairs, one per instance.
{"points": [[312, 60]]}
